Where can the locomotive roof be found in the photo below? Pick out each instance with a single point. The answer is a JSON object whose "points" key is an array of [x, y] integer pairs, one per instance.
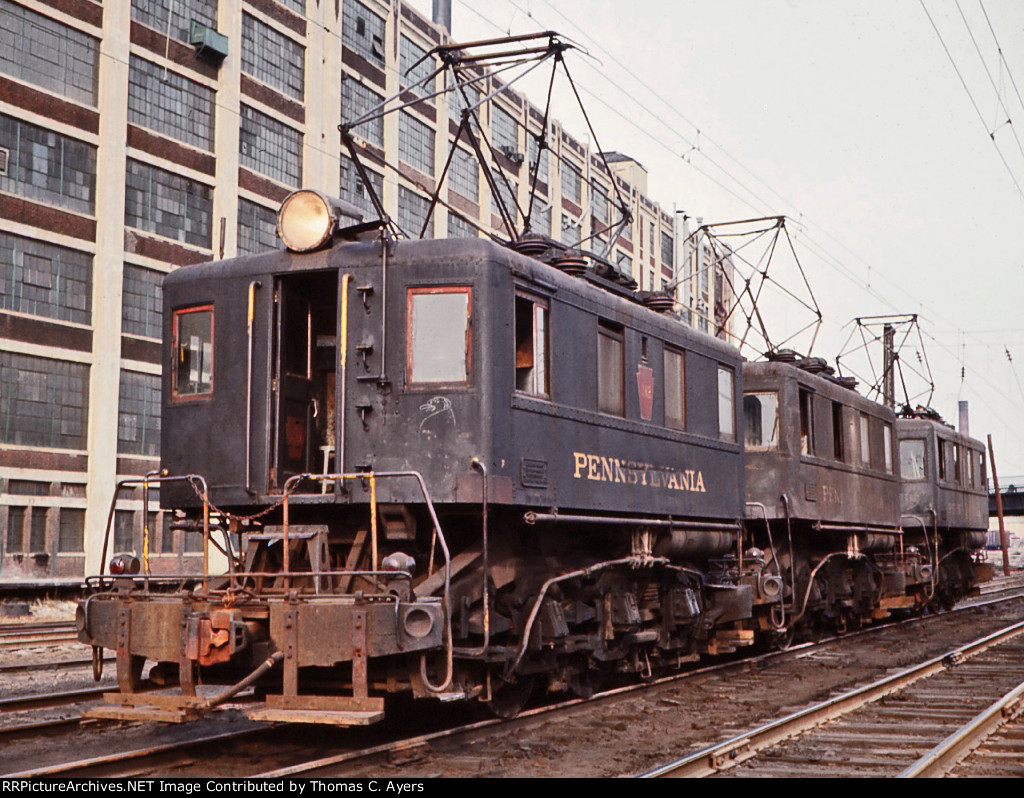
{"points": [[761, 371], [933, 426], [453, 252]]}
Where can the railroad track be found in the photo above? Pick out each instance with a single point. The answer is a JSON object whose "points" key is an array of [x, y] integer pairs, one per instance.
{"points": [[939, 708], [367, 750], [24, 635]]}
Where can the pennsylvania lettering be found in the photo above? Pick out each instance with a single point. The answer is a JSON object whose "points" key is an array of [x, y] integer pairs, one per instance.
{"points": [[627, 472]]}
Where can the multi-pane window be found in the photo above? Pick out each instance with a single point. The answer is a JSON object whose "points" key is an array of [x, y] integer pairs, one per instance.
{"points": [[167, 204], [543, 156], [459, 227], [726, 406], [457, 102], [46, 166], [412, 213], [356, 101], [272, 57], [611, 395], [416, 68], [47, 53], [465, 174], [295, 5], [169, 103], [570, 231], [257, 228], [355, 191], [504, 131], [125, 539], [667, 249], [438, 339], [416, 143], [270, 147], [675, 389], [142, 300], [761, 420], [138, 414], [540, 218], [172, 17], [508, 190], [72, 531], [533, 364], [599, 207], [192, 367], [363, 32], [44, 279], [26, 529], [624, 263], [43, 402], [572, 183]]}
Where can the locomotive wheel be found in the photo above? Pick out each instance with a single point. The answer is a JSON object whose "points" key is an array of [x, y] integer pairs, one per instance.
{"points": [[509, 698]]}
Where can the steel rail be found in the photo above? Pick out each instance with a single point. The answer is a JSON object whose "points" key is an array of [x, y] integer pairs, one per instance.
{"points": [[739, 748], [947, 754]]}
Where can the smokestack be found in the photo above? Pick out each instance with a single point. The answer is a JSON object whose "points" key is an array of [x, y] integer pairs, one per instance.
{"points": [[443, 14], [965, 425]]}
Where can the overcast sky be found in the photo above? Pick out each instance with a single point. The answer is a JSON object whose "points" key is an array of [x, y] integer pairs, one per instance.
{"points": [[851, 119]]}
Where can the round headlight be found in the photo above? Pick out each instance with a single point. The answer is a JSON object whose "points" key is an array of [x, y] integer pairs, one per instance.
{"points": [[306, 221]]}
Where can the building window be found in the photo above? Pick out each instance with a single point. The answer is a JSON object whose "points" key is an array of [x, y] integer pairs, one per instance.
{"points": [[570, 231], [26, 530], [416, 143], [363, 32], [272, 57], [667, 250], [71, 538], [270, 147], [541, 218], [726, 404], [465, 174], [257, 228], [412, 214], [610, 386], [504, 131], [675, 389], [47, 167], [192, 366], [353, 190], [138, 414], [624, 263], [299, 6], [539, 160], [172, 17], [761, 420], [865, 440], [415, 68], [807, 443], [457, 102], [599, 207], [142, 302], [43, 402], [439, 335], [45, 280], [356, 101], [532, 336], [459, 227], [168, 103], [47, 53], [572, 184], [167, 204], [508, 190]]}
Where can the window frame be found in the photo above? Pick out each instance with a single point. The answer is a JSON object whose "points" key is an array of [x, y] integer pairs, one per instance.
{"points": [[539, 308], [615, 335], [762, 446], [176, 315], [671, 351], [720, 371], [412, 291]]}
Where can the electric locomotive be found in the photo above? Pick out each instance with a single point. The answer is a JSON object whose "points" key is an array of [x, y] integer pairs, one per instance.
{"points": [[442, 467]]}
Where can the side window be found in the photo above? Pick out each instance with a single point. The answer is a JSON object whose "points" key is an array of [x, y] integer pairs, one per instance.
{"points": [[438, 335], [675, 389], [192, 369], [838, 430], [865, 440], [726, 404], [533, 365], [943, 447], [761, 420], [610, 388], [912, 462], [806, 422], [887, 446]]}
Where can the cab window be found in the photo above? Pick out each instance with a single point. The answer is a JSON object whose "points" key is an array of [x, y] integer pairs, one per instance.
{"points": [[192, 368], [533, 365], [438, 335], [761, 420]]}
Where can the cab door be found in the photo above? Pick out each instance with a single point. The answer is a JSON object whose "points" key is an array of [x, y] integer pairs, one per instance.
{"points": [[295, 407]]}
